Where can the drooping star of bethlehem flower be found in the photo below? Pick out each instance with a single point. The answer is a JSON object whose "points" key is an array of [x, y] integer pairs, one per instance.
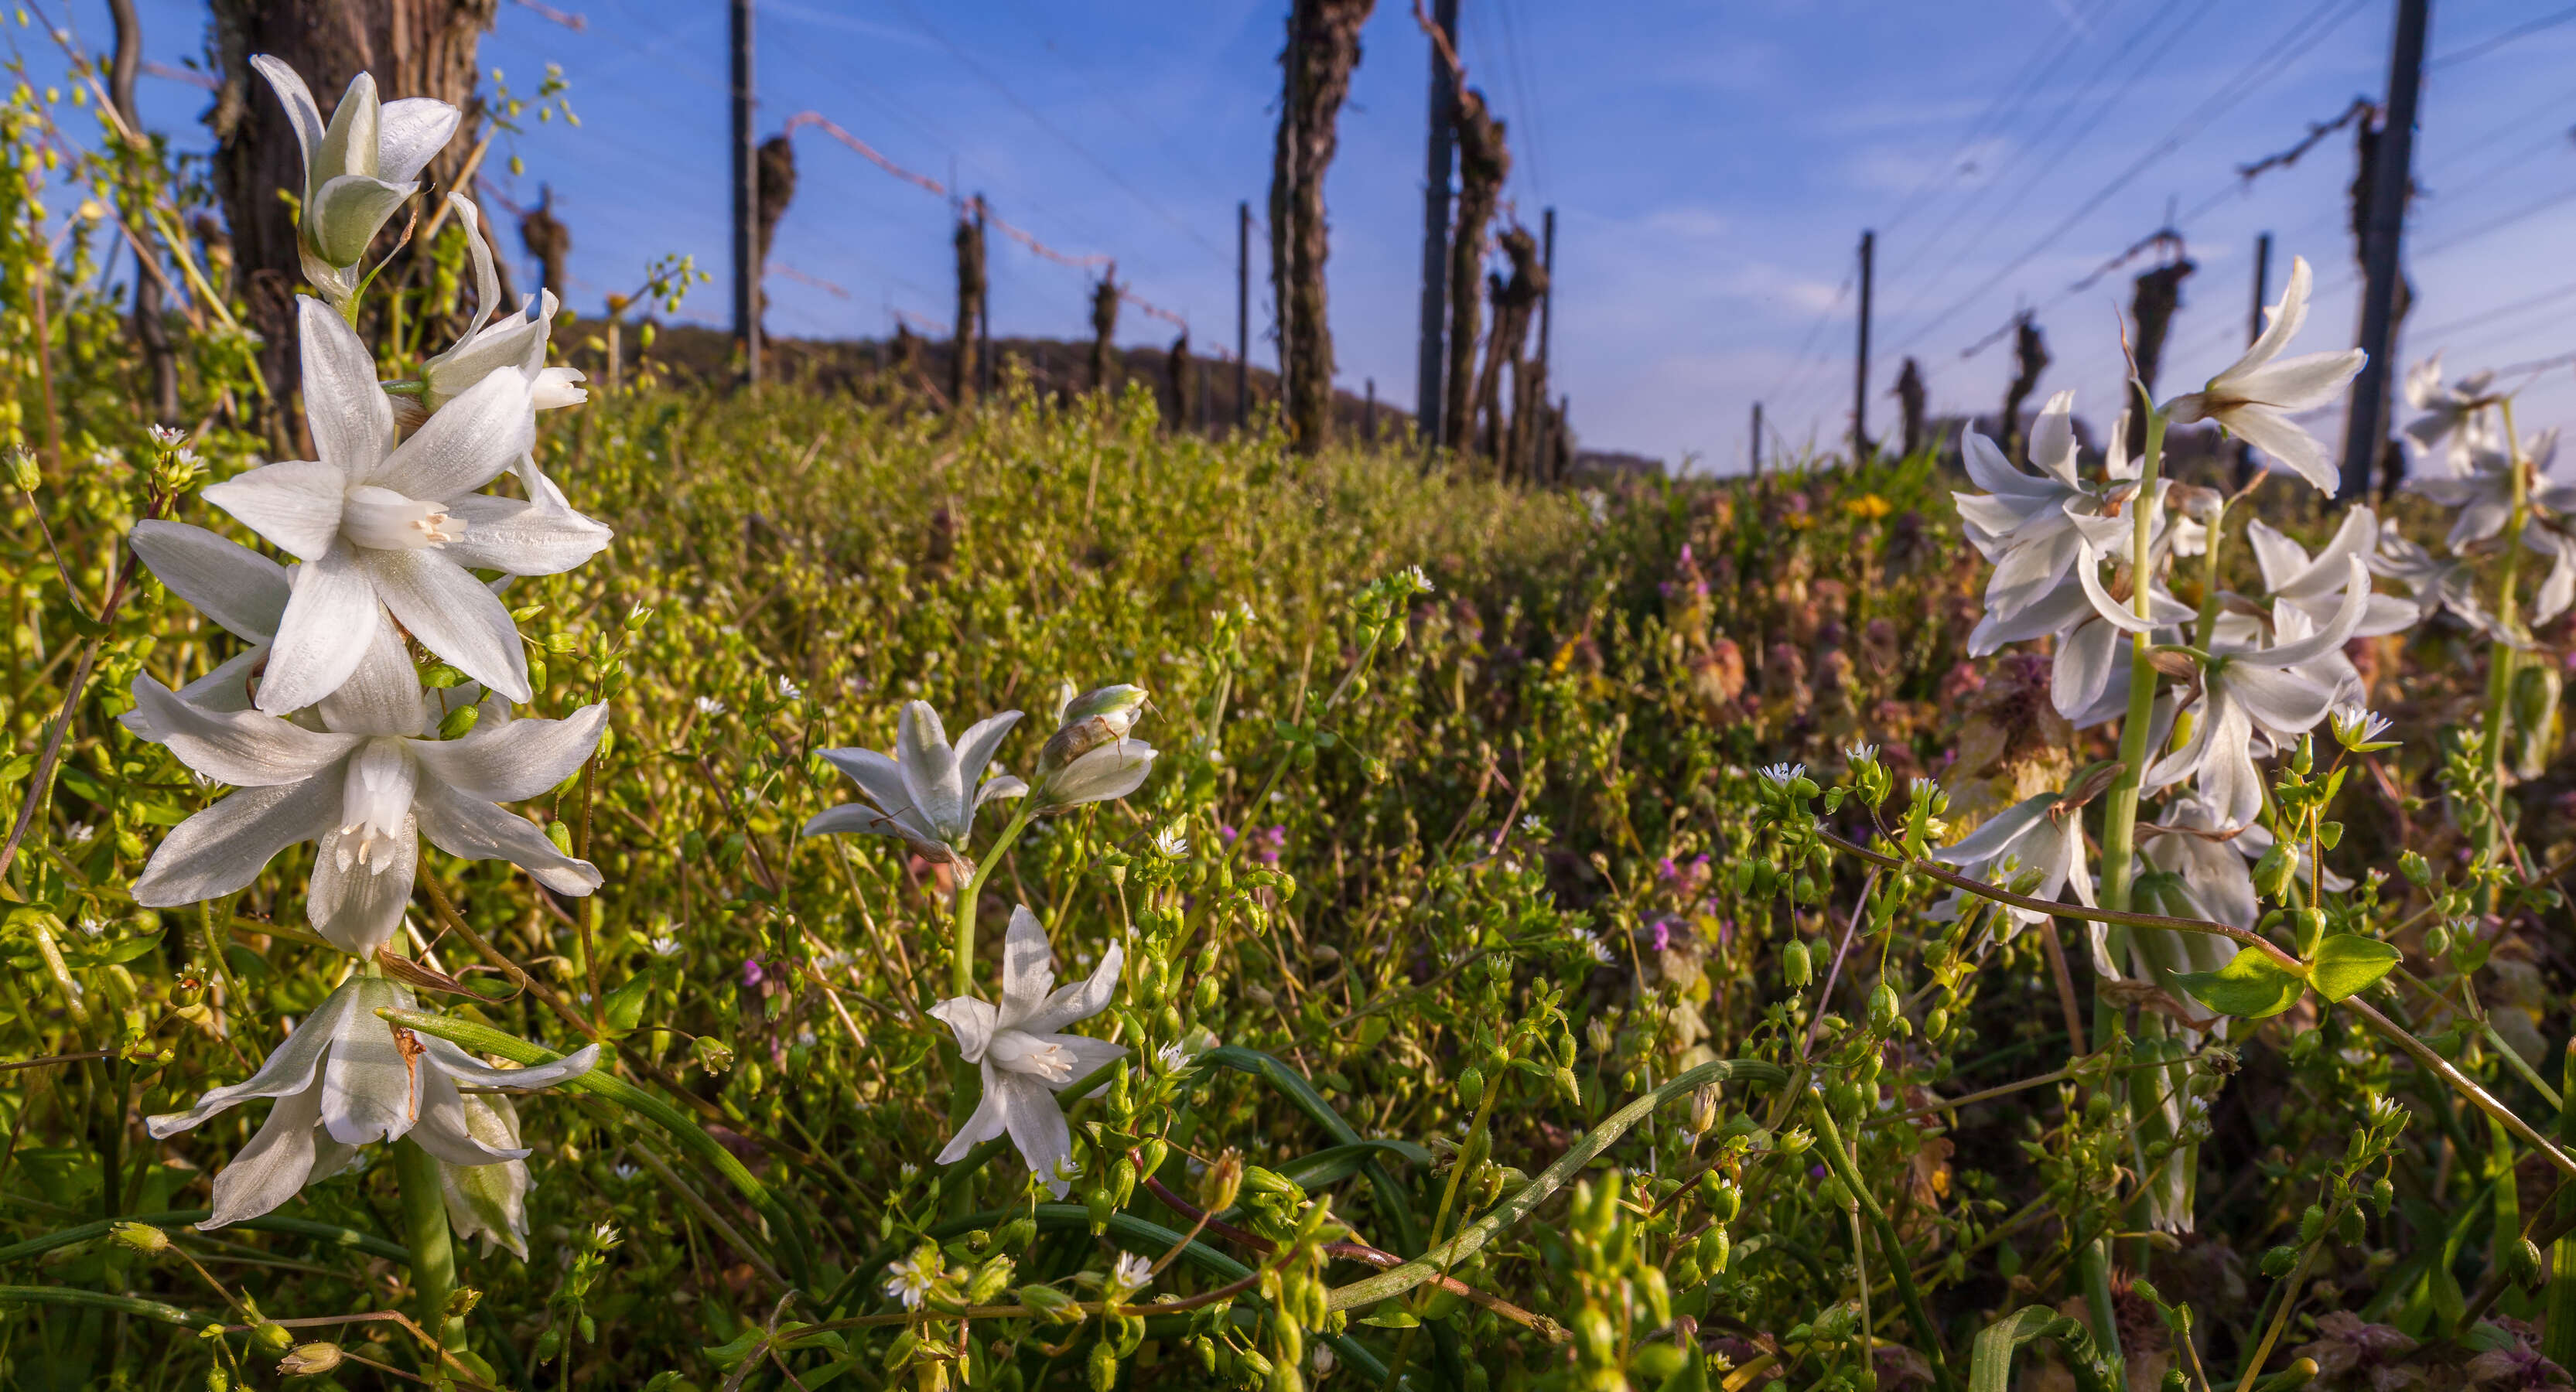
{"points": [[397, 525], [365, 788], [1023, 1057], [2281, 689], [2025, 524], [2480, 485], [2447, 408], [516, 341], [1090, 757], [490, 1201], [2033, 834], [347, 1078], [925, 791], [357, 170], [2254, 398]]}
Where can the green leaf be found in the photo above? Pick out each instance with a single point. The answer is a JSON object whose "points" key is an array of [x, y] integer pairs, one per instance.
{"points": [[2251, 985], [1990, 1363], [625, 1005], [1391, 1318], [2348, 963], [1334, 1163]]}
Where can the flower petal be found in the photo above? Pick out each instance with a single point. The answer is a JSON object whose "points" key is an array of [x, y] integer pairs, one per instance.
{"points": [[2337, 630], [975, 748], [2283, 439], [442, 1131], [370, 1089], [1104, 774], [348, 211], [2119, 616], [2285, 703], [355, 906], [302, 112], [410, 133], [295, 504], [972, 1021], [457, 1063], [519, 538], [472, 829], [517, 760], [227, 686], [288, 1070], [1037, 1126], [1028, 968], [465, 445], [1088, 1054], [274, 1167], [1081, 1000], [2279, 558], [2082, 668], [349, 143], [2296, 384], [223, 848], [930, 770], [2282, 320], [383, 696], [329, 627], [987, 1122], [452, 615], [2052, 438], [245, 749], [240, 589]]}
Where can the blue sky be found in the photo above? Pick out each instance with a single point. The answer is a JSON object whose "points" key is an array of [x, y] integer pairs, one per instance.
{"points": [[1712, 166]]}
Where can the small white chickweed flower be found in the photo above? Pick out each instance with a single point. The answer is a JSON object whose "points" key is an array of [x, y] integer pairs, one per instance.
{"points": [[909, 1279], [1131, 1272], [710, 707], [1783, 774], [2358, 728], [1171, 843]]}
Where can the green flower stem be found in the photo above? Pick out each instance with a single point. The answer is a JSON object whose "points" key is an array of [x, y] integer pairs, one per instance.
{"points": [[2120, 835], [961, 978], [433, 1258], [2501, 653], [1829, 1140]]}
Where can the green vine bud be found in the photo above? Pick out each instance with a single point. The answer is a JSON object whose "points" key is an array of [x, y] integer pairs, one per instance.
{"points": [[310, 1360], [2278, 1261], [142, 1237], [2415, 868], [2272, 872], [1793, 964], [2437, 940], [1471, 1083], [459, 722]]}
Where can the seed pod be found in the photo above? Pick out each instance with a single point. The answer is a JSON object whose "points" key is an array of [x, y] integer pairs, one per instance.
{"points": [[1714, 1249], [310, 1360], [1793, 964]]}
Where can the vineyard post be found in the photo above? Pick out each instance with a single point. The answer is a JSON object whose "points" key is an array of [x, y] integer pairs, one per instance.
{"points": [[2364, 433], [1860, 370], [2253, 331], [1429, 388], [1242, 314], [1757, 439], [1546, 295], [746, 200], [983, 307]]}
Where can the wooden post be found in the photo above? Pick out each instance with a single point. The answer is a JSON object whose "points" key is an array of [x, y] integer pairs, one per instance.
{"points": [[151, 332], [1547, 291], [1242, 314], [1860, 376], [746, 201], [1323, 49], [983, 305], [1431, 362], [1368, 414], [2253, 331], [2365, 431], [1757, 439]]}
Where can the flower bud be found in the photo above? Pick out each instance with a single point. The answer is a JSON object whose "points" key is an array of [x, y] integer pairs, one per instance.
{"points": [[1088, 721], [142, 1237], [1222, 1182], [23, 474], [1794, 967], [1052, 1305], [1703, 1110], [310, 1360]]}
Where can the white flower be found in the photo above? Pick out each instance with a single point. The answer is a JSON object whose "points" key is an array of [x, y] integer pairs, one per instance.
{"points": [[2027, 524], [346, 1078], [2480, 485], [490, 1201], [910, 1279], [1171, 843], [663, 945], [1783, 774], [2029, 835], [168, 437], [245, 593], [2282, 690], [2355, 725], [365, 788], [1090, 758], [79, 833], [1861, 753], [398, 525], [517, 342], [1022, 1057], [788, 690], [2436, 584], [357, 170], [1420, 579], [1130, 1273], [1532, 826], [710, 707], [1592, 944], [2315, 585], [2447, 408], [2254, 398], [920, 791]]}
